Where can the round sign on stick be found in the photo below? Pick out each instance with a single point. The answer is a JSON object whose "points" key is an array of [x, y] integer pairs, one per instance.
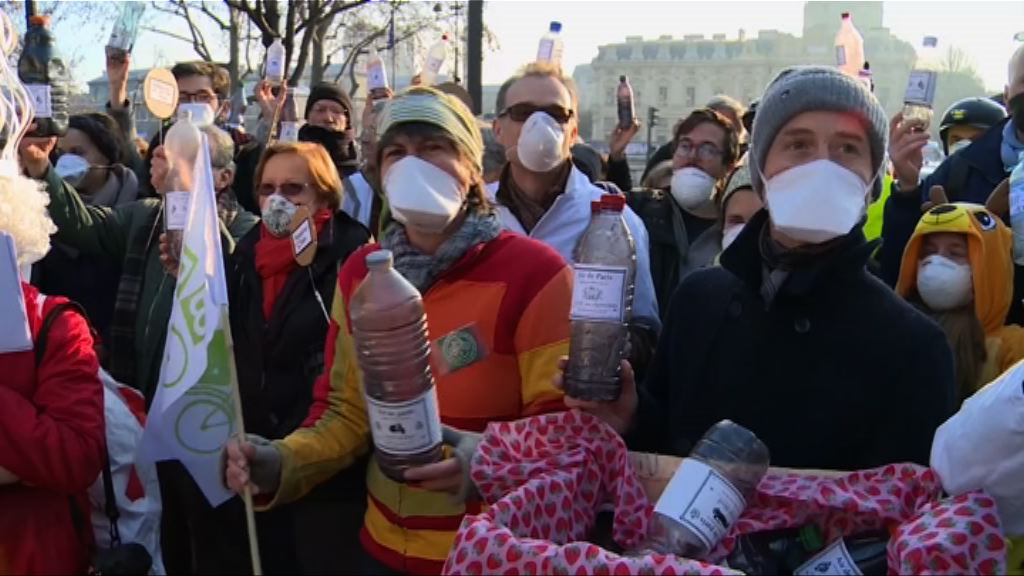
{"points": [[160, 92]]}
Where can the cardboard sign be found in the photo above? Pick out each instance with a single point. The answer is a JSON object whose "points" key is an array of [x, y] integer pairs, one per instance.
{"points": [[160, 92], [303, 237], [14, 331]]}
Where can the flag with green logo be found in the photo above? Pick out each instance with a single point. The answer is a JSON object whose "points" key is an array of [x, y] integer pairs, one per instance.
{"points": [[193, 412]]}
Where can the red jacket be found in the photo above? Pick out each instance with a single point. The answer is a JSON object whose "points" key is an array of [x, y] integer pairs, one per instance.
{"points": [[51, 438]]}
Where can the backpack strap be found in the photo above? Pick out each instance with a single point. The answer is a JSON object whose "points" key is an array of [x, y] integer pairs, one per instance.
{"points": [[44, 330]]}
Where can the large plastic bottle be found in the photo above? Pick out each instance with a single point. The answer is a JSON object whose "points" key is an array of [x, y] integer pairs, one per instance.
{"points": [[275, 63], [434, 60], [126, 29], [775, 551], [376, 75], [1017, 209], [289, 129], [849, 47], [624, 100], [181, 145], [920, 93], [43, 72], [707, 493], [550, 48], [865, 553], [389, 326], [602, 304]]}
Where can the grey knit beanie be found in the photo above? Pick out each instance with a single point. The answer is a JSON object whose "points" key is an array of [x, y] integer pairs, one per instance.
{"points": [[815, 88]]}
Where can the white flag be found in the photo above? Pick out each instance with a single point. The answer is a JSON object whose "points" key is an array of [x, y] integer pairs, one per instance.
{"points": [[193, 412]]}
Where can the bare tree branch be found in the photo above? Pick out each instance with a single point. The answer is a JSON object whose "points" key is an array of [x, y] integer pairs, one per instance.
{"points": [[209, 13]]}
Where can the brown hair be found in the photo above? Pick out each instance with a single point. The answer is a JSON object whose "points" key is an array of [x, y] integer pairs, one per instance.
{"points": [[731, 144], [966, 338], [539, 70], [219, 79], [323, 175]]}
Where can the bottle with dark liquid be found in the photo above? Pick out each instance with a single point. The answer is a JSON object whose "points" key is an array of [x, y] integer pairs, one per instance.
{"points": [[624, 100], [43, 72]]}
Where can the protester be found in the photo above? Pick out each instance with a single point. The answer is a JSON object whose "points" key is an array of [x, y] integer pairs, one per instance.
{"points": [[739, 204], [958, 269], [682, 220], [542, 195], [748, 117], [509, 292], [51, 410], [724, 105], [92, 159], [792, 337], [967, 120], [279, 323], [979, 169]]}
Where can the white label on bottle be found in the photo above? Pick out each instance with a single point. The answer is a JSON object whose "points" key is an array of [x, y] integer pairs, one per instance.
{"points": [[921, 88], [545, 49], [289, 132], [40, 96], [275, 68], [834, 560], [434, 64], [840, 55], [598, 293], [176, 209], [375, 77], [302, 237], [702, 500], [404, 428]]}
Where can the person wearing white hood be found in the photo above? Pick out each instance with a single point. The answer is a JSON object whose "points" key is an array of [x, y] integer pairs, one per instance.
{"points": [[542, 195], [683, 220]]}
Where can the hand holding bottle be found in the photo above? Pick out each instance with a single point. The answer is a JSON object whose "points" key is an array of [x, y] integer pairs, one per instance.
{"points": [[35, 153], [619, 413], [118, 63], [620, 138], [268, 103]]}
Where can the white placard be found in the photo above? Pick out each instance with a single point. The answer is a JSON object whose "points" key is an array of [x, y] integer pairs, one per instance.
{"points": [[840, 55], [834, 560], [40, 95], [302, 237], [921, 87], [176, 209], [702, 500], [405, 428], [289, 132], [598, 293], [162, 92]]}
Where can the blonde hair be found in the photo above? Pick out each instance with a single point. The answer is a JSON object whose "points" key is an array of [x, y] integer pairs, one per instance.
{"points": [[323, 175], [543, 70], [23, 216]]}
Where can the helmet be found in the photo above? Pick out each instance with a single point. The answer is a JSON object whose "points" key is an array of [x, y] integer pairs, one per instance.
{"points": [[978, 112]]}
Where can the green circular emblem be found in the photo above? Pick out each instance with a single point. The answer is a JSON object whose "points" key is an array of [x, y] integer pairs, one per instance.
{"points": [[460, 349]]}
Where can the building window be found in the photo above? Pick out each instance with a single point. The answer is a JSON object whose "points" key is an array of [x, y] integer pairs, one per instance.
{"points": [[663, 94], [691, 96], [651, 52]]}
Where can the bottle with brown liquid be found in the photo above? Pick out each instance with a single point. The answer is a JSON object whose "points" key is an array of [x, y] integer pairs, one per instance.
{"points": [[43, 72]]}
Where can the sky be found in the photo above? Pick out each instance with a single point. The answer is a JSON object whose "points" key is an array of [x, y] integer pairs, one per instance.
{"points": [[984, 30]]}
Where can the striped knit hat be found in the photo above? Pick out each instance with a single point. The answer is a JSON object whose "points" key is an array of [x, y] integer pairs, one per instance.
{"points": [[426, 105]]}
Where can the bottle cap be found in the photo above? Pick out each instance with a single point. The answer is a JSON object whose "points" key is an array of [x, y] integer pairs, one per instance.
{"points": [[39, 20], [846, 15], [379, 260], [555, 26], [614, 202], [595, 206], [622, 78]]}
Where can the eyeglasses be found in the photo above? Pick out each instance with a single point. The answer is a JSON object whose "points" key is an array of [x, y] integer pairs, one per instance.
{"points": [[200, 97], [287, 189], [705, 151], [520, 112]]}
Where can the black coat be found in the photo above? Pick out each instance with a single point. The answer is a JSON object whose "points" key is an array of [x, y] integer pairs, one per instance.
{"points": [[838, 373]]}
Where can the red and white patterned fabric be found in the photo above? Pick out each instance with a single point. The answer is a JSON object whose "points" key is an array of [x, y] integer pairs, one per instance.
{"points": [[546, 477]]}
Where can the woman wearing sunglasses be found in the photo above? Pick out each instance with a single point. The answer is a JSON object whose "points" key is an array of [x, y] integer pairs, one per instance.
{"points": [[279, 321], [504, 296]]}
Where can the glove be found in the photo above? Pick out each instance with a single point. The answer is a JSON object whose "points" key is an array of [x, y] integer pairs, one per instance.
{"points": [[463, 445]]}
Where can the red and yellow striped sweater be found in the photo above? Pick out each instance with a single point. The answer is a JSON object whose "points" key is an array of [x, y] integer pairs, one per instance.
{"points": [[515, 293]]}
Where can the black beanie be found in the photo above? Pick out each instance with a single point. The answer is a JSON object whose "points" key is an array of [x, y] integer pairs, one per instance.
{"points": [[326, 91], [104, 133]]}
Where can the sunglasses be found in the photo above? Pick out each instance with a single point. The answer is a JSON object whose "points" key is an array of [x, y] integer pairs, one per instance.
{"points": [[288, 189], [520, 112]]}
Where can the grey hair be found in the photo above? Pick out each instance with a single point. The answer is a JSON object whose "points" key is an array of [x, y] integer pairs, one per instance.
{"points": [[222, 147]]}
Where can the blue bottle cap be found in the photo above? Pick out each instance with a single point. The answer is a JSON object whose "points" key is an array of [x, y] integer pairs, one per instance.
{"points": [[556, 26]]}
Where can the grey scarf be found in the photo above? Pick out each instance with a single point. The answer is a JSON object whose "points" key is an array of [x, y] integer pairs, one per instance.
{"points": [[423, 269]]}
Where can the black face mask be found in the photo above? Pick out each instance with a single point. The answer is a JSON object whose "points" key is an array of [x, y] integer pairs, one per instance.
{"points": [[339, 145], [1016, 108]]}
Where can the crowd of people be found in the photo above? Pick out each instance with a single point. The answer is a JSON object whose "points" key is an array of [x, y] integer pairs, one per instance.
{"points": [[795, 274]]}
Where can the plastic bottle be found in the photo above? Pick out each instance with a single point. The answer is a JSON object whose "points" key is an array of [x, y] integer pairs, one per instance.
{"points": [[775, 551], [376, 75], [849, 47], [602, 304], [181, 145], [865, 76], [435, 59], [550, 48], [1017, 209], [707, 493], [865, 553], [289, 128], [389, 326], [624, 98], [275, 63], [126, 29], [920, 93], [43, 72]]}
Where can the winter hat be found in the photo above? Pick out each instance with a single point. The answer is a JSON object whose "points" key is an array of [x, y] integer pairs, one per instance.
{"points": [[429, 106], [326, 91], [103, 132], [815, 88]]}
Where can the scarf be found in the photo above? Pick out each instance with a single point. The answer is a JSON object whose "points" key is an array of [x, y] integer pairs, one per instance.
{"points": [[423, 269], [526, 210], [120, 187], [275, 261], [779, 262], [340, 146], [126, 303], [1011, 147]]}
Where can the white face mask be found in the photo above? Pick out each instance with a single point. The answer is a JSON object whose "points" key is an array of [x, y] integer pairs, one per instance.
{"points": [[960, 145], [816, 202], [421, 195], [277, 215], [540, 143], [201, 114], [691, 187], [730, 234], [943, 284], [72, 168]]}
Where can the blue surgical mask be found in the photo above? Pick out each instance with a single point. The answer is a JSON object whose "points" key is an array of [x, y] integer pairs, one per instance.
{"points": [[72, 168]]}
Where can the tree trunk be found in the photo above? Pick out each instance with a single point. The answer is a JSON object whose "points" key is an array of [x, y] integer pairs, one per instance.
{"points": [[319, 63], [234, 47]]}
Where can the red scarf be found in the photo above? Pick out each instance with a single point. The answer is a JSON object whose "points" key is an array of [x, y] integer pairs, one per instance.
{"points": [[275, 261]]}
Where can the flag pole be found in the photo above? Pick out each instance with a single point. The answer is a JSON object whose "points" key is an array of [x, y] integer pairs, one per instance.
{"points": [[250, 514]]}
